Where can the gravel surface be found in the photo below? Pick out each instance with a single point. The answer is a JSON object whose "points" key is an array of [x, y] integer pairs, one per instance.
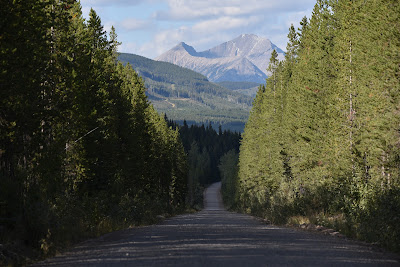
{"points": [[216, 237]]}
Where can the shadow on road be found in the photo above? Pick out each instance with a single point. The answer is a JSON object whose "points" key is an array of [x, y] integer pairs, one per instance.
{"points": [[216, 237]]}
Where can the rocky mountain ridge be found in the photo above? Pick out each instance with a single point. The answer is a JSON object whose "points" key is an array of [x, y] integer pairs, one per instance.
{"points": [[244, 58], [187, 95]]}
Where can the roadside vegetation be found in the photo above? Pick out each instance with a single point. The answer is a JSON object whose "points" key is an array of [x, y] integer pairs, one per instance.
{"points": [[83, 152], [322, 142], [205, 149]]}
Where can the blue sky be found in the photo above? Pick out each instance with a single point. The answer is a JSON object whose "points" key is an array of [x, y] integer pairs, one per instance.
{"points": [[151, 27]]}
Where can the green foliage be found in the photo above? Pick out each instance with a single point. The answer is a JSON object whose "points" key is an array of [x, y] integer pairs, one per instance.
{"points": [[322, 137], [238, 85], [228, 168], [187, 95], [82, 150], [205, 147], [246, 88]]}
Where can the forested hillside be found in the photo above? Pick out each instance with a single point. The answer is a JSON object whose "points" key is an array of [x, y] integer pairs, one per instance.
{"points": [[82, 150], [322, 140], [187, 95], [246, 88]]}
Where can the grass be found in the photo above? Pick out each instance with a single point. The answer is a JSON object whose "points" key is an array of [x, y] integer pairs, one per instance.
{"points": [[337, 222]]}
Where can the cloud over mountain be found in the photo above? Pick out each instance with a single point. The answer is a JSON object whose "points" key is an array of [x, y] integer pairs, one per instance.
{"points": [[151, 27]]}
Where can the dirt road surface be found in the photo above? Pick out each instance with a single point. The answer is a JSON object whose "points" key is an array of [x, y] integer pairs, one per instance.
{"points": [[216, 237]]}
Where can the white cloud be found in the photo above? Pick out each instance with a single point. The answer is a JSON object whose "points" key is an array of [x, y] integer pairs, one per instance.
{"points": [[159, 25], [111, 2], [166, 39], [225, 23], [194, 9], [202, 35], [133, 24]]}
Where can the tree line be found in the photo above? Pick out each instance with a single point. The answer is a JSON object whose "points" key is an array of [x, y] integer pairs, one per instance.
{"points": [[322, 140], [185, 81], [186, 95], [82, 152], [205, 149]]}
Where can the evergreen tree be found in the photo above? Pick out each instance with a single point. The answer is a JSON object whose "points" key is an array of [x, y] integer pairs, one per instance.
{"points": [[321, 135], [229, 167], [82, 150]]}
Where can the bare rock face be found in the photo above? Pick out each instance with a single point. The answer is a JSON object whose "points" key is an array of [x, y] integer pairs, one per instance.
{"points": [[244, 58]]}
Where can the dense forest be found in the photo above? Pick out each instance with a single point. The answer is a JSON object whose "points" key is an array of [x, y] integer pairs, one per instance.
{"points": [[322, 141], [205, 148], [246, 88], [83, 152]]}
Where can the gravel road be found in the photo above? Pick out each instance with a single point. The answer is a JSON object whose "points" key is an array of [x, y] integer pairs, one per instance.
{"points": [[216, 237]]}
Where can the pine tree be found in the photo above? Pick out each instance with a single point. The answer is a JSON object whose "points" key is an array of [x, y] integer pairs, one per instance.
{"points": [[330, 111]]}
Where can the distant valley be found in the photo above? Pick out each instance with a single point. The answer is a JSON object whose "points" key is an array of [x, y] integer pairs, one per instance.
{"points": [[243, 59], [246, 88], [187, 95], [217, 85]]}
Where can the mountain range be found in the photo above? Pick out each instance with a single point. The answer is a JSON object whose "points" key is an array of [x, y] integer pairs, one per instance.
{"points": [[243, 59], [183, 94]]}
